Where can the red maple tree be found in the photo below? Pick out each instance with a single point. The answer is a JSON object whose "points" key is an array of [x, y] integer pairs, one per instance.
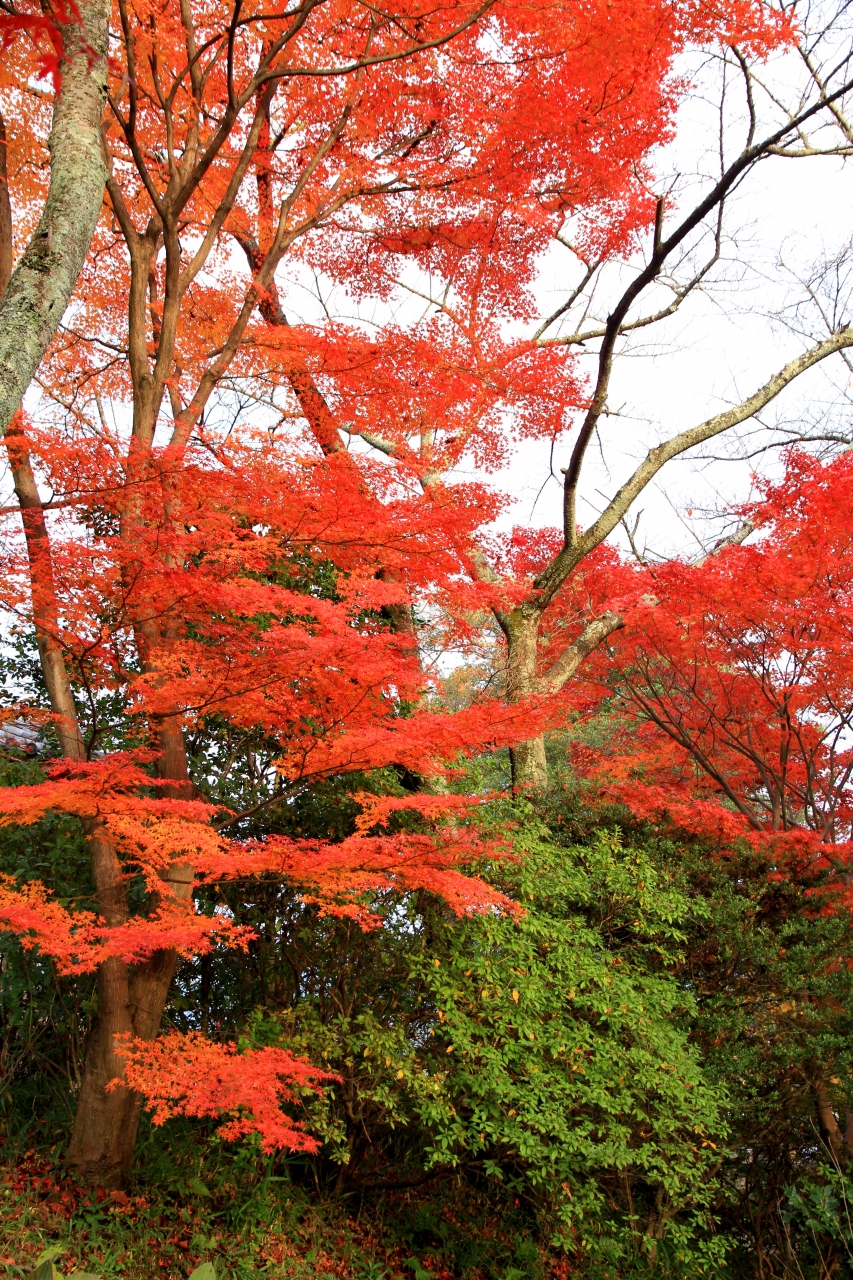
{"points": [[191, 439], [732, 686]]}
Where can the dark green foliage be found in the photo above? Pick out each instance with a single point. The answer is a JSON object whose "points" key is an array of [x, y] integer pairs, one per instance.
{"points": [[547, 1052], [43, 1018], [771, 970], [622, 1081], [569, 1070], [773, 977]]}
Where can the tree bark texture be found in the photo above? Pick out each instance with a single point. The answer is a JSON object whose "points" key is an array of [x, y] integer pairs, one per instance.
{"points": [[5, 215], [830, 1130], [43, 588], [521, 629], [130, 999], [529, 765], [41, 285]]}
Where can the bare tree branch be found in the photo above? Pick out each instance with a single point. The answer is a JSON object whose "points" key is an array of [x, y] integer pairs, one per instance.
{"points": [[571, 658], [553, 577]]}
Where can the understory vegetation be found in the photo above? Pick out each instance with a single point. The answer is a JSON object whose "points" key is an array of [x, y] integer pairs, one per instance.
{"points": [[621, 1078]]}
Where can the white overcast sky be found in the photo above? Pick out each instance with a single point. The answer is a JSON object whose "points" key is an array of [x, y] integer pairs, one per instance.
{"points": [[721, 346]]}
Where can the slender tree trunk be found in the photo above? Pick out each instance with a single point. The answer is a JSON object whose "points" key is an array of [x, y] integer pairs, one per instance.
{"points": [[42, 283], [521, 628], [5, 214], [105, 1125], [830, 1130], [33, 300], [43, 590], [130, 999]]}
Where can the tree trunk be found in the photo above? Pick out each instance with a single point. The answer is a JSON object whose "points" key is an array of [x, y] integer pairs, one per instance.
{"points": [[104, 1133], [830, 1131], [131, 1001], [43, 281], [128, 1001], [43, 589], [105, 1125], [529, 765]]}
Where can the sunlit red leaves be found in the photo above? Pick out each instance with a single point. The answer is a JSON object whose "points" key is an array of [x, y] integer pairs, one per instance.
{"points": [[245, 535], [339, 878], [151, 831], [43, 27], [79, 941], [236, 572], [424, 742], [452, 378], [464, 158], [154, 834], [192, 1076], [736, 681]]}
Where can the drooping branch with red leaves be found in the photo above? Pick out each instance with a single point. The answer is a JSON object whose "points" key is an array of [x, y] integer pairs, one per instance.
{"points": [[736, 682], [191, 1076]]}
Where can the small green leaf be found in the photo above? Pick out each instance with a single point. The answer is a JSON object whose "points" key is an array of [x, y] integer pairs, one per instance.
{"points": [[420, 1272], [50, 1254], [205, 1272], [44, 1270]]}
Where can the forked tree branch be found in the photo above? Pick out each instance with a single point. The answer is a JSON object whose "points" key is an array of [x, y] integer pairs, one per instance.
{"points": [[555, 574], [571, 658], [662, 250]]}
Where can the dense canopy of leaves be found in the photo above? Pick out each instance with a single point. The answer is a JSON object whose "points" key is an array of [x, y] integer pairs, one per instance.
{"points": [[255, 813]]}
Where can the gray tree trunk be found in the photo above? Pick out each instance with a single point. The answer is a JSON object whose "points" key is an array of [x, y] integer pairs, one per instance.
{"points": [[529, 766], [40, 289]]}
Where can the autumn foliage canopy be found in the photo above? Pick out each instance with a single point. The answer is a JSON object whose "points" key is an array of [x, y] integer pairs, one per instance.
{"points": [[210, 543], [732, 684]]}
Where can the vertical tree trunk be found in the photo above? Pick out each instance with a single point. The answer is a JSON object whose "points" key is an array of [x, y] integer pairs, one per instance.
{"points": [[830, 1131], [41, 285], [521, 628], [33, 300], [5, 214], [130, 999], [105, 1125]]}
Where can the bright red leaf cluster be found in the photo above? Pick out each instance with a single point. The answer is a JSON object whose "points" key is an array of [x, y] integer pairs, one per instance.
{"points": [[736, 681], [211, 549], [191, 1076]]}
